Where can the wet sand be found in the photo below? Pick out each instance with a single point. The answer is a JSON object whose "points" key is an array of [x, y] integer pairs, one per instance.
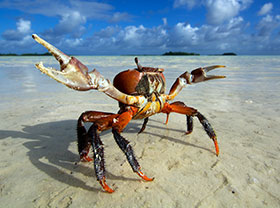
{"points": [[39, 163]]}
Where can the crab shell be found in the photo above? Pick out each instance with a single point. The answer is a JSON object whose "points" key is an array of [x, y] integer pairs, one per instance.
{"points": [[144, 81]]}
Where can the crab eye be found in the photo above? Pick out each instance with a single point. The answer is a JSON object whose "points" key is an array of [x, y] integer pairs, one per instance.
{"points": [[192, 77], [182, 81]]}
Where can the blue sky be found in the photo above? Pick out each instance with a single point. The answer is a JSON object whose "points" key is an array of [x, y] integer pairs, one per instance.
{"points": [[112, 27]]}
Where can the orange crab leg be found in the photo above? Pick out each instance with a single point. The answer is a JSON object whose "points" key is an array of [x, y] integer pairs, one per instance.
{"points": [[209, 130], [105, 186], [216, 146], [142, 175], [177, 107], [103, 121], [180, 107], [124, 145]]}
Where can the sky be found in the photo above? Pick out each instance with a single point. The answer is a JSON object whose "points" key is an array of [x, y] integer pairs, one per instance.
{"points": [[124, 27]]}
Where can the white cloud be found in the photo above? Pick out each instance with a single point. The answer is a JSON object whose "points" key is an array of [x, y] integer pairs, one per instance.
{"points": [[23, 28], [89, 9], [70, 23], [183, 35], [74, 42], [132, 33], [267, 25], [266, 8], [219, 11], [227, 32], [17, 41], [73, 14], [118, 17], [128, 40], [164, 21], [189, 3], [205, 39], [142, 38]]}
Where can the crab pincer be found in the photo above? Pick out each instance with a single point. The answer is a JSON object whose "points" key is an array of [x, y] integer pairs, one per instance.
{"points": [[199, 75], [72, 72]]}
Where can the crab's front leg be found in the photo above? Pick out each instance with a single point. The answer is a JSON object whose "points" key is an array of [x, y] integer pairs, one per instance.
{"points": [[75, 75], [197, 75], [72, 72]]}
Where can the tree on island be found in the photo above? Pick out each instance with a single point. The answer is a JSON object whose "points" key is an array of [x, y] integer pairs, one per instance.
{"points": [[229, 54], [171, 53], [25, 54]]}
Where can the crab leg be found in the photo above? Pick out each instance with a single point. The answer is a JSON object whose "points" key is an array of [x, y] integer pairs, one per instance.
{"points": [[197, 75], [209, 130], [98, 154], [144, 125], [75, 75], [177, 107], [104, 121], [189, 124], [180, 107], [117, 127]]}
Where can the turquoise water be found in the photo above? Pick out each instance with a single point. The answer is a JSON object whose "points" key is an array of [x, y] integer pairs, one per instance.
{"points": [[249, 78]]}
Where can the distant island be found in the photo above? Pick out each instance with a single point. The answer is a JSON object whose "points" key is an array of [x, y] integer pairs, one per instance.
{"points": [[171, 53], [25, 54], [229, 54]]}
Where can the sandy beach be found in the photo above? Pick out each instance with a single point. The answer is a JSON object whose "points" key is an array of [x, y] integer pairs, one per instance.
{"points": [[39, 162]]}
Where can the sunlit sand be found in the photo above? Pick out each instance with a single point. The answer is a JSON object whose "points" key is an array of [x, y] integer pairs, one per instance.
{"points": [[40, 165]]}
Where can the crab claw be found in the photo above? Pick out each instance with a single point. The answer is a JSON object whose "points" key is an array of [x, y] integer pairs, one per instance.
{"points": [[75, 75], [199, 75], [72, 72]]}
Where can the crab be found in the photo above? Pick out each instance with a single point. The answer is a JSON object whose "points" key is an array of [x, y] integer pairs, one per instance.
{"points": [[140, 93]]}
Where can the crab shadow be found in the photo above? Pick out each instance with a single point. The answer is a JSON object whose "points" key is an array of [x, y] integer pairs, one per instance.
{"points": [[48, 150]]}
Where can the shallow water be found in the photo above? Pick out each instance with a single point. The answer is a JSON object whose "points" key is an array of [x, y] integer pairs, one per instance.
{"points": [[248, 76]]}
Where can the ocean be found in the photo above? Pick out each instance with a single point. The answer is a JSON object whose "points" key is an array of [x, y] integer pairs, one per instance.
{"points": [[251, 78]]}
